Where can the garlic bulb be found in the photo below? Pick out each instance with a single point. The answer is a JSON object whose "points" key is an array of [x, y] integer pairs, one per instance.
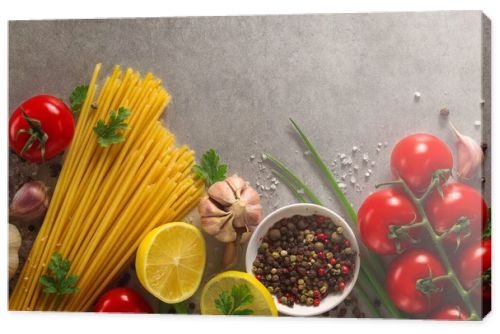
{"points": [[14, 244], [470, 155], [231, 210]]}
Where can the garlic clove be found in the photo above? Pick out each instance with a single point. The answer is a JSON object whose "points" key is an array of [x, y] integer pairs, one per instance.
{"points": [[207, 208], [213, 225], [30, 202], [222, 193], [237, 184], [470, 155], [14, 244], [254, 214], [227, 233], [250, 196]]}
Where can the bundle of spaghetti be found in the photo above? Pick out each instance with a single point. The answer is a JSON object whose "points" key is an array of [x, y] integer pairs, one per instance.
{"points": [[107, 199]]}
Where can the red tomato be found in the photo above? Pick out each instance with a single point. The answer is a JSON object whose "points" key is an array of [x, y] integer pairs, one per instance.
{"points": [[122, 300], [402, 276], [472, 262], [450, 312], [459, 200], [380, 210], [416, 157], [44, 131]]}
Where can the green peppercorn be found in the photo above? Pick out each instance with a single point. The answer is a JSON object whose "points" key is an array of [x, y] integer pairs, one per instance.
{"points": [[335, 237], [270, 289], [293, 258], [329, 255], [269, 277], [303, 299], [323, 289], [340, 230], [283, 300], [309, 301], [348, 250], [276, 255], [300, 281], [254, 269]]}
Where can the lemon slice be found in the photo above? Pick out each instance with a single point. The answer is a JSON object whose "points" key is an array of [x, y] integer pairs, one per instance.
{"points": [[261, 301], [170, 261]]}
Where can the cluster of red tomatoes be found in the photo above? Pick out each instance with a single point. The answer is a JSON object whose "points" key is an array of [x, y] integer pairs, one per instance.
{"points": [[457, 214]]}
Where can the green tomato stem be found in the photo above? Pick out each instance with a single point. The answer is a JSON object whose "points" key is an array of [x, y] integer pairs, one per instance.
{"points": [[438, 243]]}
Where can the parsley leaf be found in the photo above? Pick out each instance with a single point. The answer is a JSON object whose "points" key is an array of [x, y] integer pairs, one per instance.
{"points": [[77, 98], [108, 134], [59, 282], [209, 168], [230, 304]]}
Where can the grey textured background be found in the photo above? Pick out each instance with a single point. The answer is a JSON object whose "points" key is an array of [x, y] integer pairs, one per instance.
{"points": [[348, 79]]}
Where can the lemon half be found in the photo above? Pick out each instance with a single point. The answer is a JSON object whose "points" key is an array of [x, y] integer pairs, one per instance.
{"points": [[170, 261], [262, 303]]}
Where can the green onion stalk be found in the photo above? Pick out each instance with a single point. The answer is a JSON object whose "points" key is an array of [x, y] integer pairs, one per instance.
{"points": [[367, 276]]}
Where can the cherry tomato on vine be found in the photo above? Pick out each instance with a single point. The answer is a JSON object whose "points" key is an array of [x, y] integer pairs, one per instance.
{"points": [[416, 157], [41, 128], [458, 202], [405, 277], [378, 212], [450, 312], [472, 263], [122, 300]]}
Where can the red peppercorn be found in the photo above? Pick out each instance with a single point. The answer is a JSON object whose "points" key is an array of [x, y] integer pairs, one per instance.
{"points": [[345, 269], [341, 285], [347, 243], [321, 236], [316, 301], [321, 255], [333, 261], [259, 277], [321, 272], [316, 293]]}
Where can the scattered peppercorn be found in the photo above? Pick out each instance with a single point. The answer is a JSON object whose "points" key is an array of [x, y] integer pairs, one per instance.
{"points": [[304, 258]]}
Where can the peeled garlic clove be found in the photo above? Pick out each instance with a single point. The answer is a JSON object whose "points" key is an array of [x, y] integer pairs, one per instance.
{"points": [[470, 155], [222, 193]]}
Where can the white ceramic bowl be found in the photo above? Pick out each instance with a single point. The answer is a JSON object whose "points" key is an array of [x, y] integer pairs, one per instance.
{"points": [[333, 299]]}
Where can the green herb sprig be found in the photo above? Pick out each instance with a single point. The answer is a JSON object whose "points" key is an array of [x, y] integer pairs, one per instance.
{"points": [[77, 98], [112, 132], [232, 303], [59, 282], [209, 168]]}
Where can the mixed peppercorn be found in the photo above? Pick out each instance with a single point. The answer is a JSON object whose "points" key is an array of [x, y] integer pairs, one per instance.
{"points": [[304, 258]]}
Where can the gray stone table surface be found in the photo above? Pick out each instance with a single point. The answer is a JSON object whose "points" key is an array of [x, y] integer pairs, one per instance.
{"points": [[347, 79]]}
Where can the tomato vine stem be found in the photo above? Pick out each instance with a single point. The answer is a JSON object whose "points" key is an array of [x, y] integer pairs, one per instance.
{"points": [[437, 239]]}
